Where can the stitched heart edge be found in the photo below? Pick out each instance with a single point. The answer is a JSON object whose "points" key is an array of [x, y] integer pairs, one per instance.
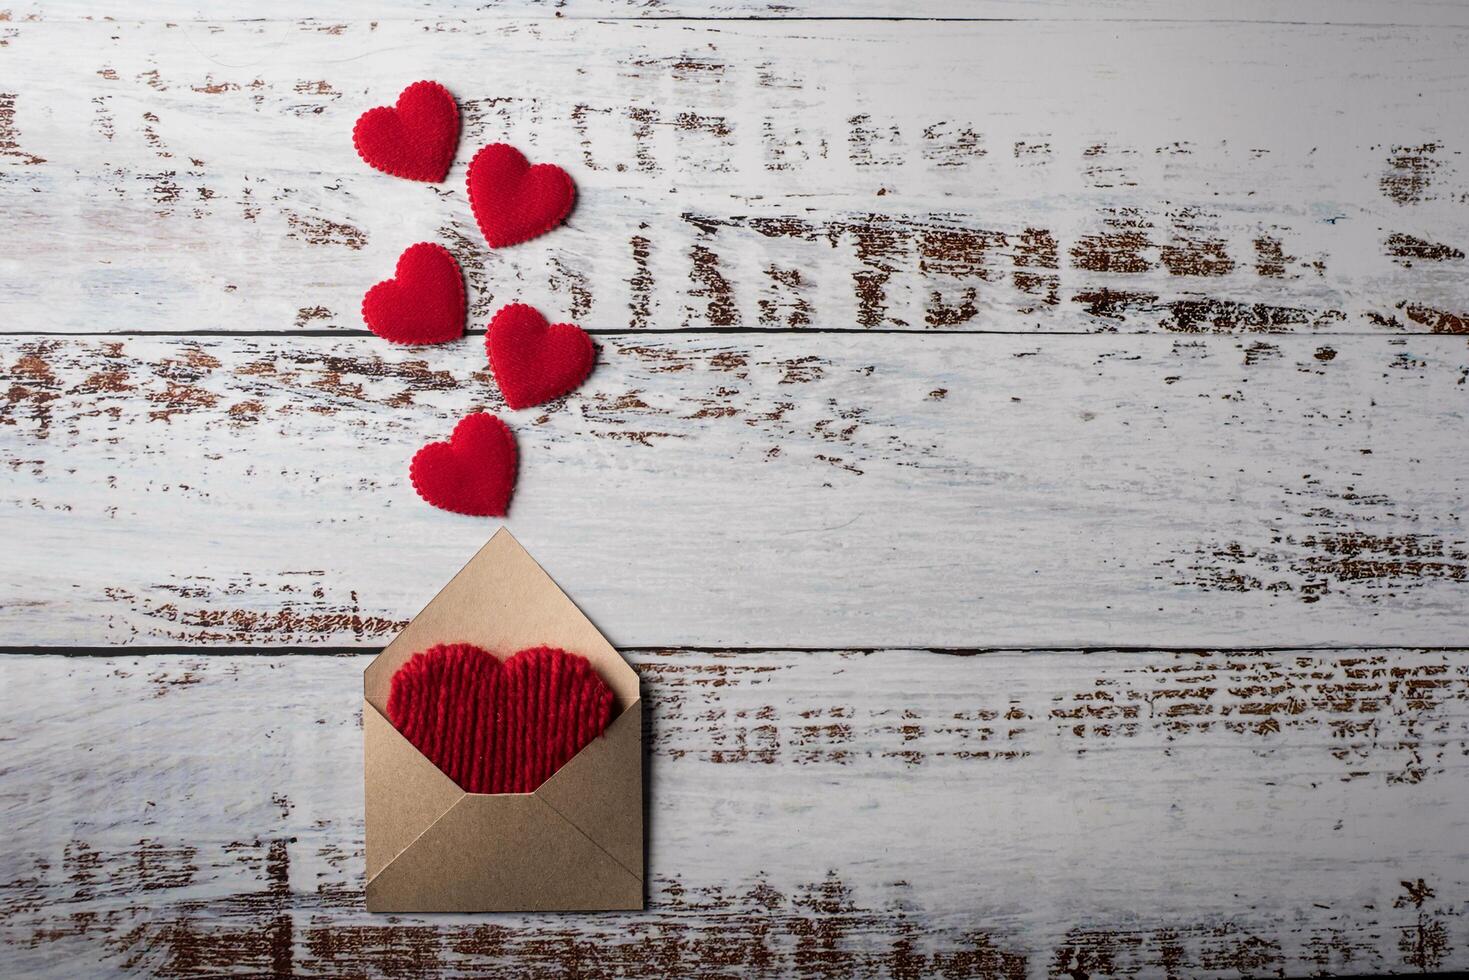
{"points": [[581, 379], [458, 129], [458, 277], [551, 225], [514, 466]]}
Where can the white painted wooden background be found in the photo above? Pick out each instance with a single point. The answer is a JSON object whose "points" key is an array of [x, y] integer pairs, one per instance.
{"points": [[1026, 462]]}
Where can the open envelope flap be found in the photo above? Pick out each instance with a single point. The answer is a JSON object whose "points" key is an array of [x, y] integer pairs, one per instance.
{"points": [[502, 601], [504, 852], [600, 790], [405, 792]]}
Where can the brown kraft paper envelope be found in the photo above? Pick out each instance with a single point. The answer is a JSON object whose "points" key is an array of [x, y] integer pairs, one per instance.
{"points": [[576, 843]]}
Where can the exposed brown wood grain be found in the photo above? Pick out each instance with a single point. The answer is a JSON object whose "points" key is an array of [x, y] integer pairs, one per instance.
{"points": [[768, 190], [731, 177], [9, 137], [1230, 766], [953, 490]]}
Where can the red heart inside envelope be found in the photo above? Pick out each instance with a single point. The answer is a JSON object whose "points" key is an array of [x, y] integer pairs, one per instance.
{"points": [[496, 727], [424, 301], [534, 361], [473, 473], [513, 201], [414, 139]]}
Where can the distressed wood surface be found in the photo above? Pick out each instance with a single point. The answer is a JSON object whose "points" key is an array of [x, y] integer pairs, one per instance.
{"points": [[892, 430], [1027, 814], [176, 176], [754, 490], [1344, 12]]}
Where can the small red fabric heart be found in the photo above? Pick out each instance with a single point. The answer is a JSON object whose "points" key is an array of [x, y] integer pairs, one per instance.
{"points": [[497, 727], [513, 201], [415, 138], [424, 301], [534, 361], [473, 473]]}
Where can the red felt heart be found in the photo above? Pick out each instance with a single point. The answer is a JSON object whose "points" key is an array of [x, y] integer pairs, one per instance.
{"points": [[415, 138], [497, 727], [473, 473], [513, 201], [424, 301], [534, 361]]}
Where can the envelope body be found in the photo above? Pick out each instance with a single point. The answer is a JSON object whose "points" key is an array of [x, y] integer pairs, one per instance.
{"points": [[576, 842]]}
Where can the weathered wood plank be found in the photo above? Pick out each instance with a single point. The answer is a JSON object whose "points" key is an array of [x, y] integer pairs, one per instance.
{"points": [[1002, 176], [821, 814], [753, 489], [1349, 12]]}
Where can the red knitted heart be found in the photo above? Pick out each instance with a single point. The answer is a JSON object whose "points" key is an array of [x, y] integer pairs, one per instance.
{"points": [[513, 201], [473, 473], [424, 301], [534, 361], [416, 138], [497, 727]]}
